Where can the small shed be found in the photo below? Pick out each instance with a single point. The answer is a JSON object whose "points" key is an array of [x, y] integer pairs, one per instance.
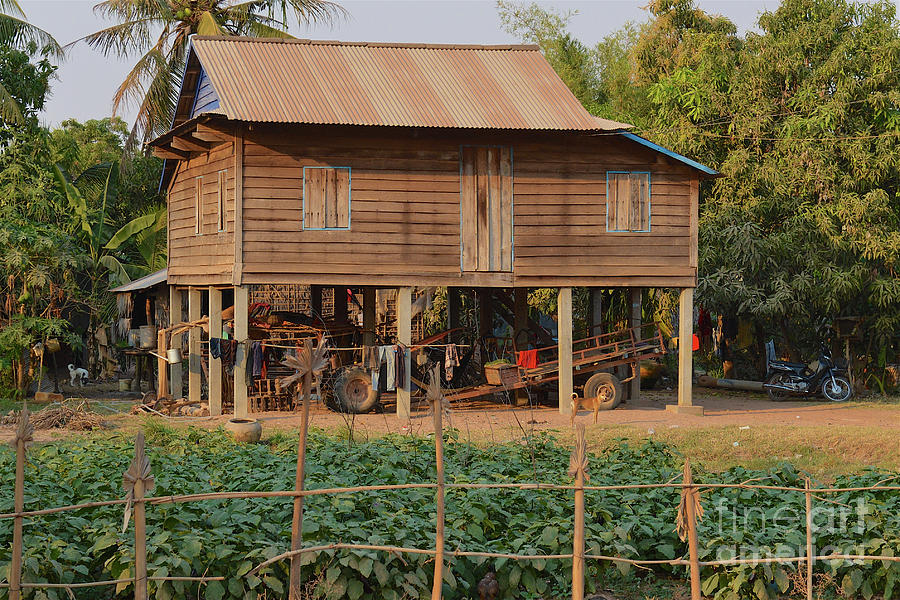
{"points": [[372, 166]]}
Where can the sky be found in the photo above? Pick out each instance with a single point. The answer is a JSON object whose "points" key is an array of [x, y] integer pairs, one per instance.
{"points": [[86, 80]]}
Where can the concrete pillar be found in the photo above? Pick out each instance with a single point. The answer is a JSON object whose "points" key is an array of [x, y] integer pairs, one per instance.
{"points": [[369, 319], [685, 355], [215, 364], [564, 325], [404, 336], [195, 311], [176, 389], [241, 334], [596, 311], [635, 296]]}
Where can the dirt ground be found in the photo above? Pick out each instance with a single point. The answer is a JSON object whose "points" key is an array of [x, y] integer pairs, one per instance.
{"points": [[737, 428]]}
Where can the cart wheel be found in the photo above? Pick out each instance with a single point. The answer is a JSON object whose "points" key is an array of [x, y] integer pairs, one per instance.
{"points": [[606, 385], [353, 391]]}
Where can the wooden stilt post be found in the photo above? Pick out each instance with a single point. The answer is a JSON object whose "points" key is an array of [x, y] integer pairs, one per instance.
{"points": [[437, 408], [810, 553], [454, 301], [138, 481], [215, 364], [297, 522], [24, 434], [176, 388], [577, 468], [485, 311], [520, 325], [195, 308], [340, 304], [635, 297], [162, 370], [369, 319], [315, 300], [241, 334], [564, 324], [685, 355], [404, 336], [596, 311]]}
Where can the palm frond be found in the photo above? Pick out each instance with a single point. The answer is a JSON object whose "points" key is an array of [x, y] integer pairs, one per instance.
{"points": [[19, 33], [10, 110], [207, 25], [11, 7], [122, 39]]}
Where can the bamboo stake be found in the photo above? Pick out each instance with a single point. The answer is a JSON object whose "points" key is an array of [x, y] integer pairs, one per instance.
{"points": [[297, 522], [137, 481], [578, 463], [24, 432], [691, 498], [809, 544], [436, 398]]}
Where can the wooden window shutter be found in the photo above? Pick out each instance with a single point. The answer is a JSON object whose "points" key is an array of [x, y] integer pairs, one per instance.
{"points": [[628, 201], [222, 190], [326, 198], [486, 208], [198, 205]]}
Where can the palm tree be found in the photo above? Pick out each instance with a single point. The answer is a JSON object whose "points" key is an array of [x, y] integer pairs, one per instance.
{"points": [[154, 80], [18, 33]]}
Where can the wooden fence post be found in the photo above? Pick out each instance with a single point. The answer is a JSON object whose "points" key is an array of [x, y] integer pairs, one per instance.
{"points": [[810, 555], [689, 510], [24, 434], [436, 399], [137, 481], [577, 469]]}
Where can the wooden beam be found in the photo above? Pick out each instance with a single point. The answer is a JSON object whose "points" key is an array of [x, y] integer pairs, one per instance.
{"points": [[189, 144], [564, 323], [215, 364], [176, 387], [404, 336], [241, 334], [195, 308], [369, 320], [170, 153], [214, 131], [635, 296]]}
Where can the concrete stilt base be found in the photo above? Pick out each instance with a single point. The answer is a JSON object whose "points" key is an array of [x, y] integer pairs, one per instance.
{"points": [[679, 409]]}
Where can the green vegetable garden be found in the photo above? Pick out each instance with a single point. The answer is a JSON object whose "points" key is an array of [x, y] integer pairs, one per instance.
{"points": [[230, 537]]}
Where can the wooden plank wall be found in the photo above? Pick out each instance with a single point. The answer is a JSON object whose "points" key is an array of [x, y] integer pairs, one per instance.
{"points": [[207, 258], [405, 212]]}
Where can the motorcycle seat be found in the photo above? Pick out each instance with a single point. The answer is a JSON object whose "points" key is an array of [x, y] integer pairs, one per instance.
{"points": [[788, 365]]}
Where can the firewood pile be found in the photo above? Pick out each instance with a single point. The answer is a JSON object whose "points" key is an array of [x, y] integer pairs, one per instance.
{"points": [[75, 416], [170, 407]]}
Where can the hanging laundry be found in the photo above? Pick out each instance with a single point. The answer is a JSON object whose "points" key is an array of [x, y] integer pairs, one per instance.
{"points": [[256, 359], [215, 348], [265, 361], [528, 359], [387, 356], [400, 364], [451, 360]]}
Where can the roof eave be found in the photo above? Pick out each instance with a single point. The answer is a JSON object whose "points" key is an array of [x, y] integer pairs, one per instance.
{"points": [[706, 172]]}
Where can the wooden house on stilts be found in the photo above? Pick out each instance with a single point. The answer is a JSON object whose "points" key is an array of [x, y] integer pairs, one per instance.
{"points": [[369, 165]]}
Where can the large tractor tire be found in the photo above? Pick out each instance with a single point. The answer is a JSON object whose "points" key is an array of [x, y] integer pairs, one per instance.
{"points": [[607, 385], [352, 392]]}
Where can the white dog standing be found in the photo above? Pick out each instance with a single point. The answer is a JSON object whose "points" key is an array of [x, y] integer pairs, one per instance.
{"points": [[80, 375]]}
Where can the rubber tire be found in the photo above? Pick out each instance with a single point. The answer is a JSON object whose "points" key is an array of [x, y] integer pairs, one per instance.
{"points": [[845, 386], [597, 382], [352, 391], [778, 395]]}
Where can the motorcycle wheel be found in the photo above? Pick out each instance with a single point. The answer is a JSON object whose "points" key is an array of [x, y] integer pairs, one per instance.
{"points": [[778, 395], [837, 390]]}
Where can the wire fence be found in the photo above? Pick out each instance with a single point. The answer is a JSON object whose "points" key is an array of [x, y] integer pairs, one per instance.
{"points": [[138, 481]]}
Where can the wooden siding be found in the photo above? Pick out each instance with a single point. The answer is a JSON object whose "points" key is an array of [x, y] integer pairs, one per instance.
{"points": [[405, 212], [207, 258]]}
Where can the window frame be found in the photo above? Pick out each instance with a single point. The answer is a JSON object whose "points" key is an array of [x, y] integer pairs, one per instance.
{"points": [[649, 175], [198, 205], [222, 201], [303, 225]]}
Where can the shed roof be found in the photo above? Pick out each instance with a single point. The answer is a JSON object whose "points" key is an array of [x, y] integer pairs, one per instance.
{"points": [[379, 84], [145, 282]]}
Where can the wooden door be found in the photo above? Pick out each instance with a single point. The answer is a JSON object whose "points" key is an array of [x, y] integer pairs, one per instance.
{"points": [[486, 209]]}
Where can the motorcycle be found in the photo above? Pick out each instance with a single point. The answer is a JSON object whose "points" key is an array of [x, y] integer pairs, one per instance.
{"points": [[787, 379]]}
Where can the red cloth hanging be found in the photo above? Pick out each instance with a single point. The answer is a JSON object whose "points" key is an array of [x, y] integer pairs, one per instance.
{"points": [[528, 359]]}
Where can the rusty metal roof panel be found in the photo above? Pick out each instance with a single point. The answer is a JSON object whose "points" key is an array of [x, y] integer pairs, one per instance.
{"points": [[404, 85]]}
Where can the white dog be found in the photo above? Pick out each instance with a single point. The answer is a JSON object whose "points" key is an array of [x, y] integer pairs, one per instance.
{"points": [[80, 375]]}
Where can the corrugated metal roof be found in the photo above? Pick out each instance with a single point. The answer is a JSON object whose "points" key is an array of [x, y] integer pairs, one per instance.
{"points": [[147, 281], [405, 85]]}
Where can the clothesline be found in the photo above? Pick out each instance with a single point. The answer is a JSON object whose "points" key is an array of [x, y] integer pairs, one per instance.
{"points": [[416, 347]]}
